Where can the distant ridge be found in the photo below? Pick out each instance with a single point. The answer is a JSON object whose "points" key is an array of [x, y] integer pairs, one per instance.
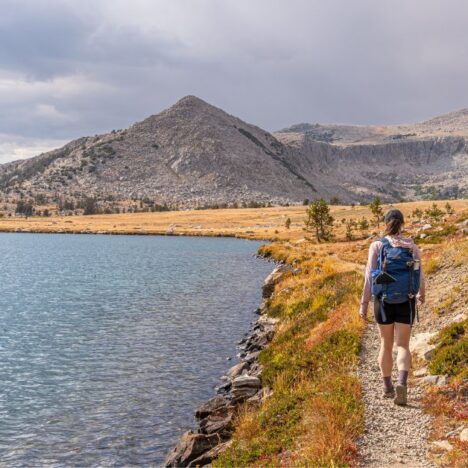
{"points": [[194, 154]]}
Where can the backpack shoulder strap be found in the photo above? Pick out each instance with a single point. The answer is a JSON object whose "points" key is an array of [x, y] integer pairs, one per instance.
{"points": [[385, 241], [385, 245]]}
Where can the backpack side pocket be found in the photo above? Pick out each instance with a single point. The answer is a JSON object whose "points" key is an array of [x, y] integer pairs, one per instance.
{"points": [[376, 289]]}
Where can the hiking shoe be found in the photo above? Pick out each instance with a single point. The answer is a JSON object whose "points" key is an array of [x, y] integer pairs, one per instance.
{"points": [[388, 392], [401, 395]]}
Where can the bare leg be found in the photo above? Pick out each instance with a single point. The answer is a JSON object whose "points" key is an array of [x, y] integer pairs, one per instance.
{"points": [[386, 347], [403, 334]]}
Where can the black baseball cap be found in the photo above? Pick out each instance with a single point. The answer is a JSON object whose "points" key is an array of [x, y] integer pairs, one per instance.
{"points": [[393, 214]]}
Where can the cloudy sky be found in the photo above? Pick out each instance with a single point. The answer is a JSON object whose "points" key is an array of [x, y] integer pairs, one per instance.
{"points": [[70, 68]]}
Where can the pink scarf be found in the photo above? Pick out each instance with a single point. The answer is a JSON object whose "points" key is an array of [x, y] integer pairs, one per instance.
{"points": [[400, 241]]}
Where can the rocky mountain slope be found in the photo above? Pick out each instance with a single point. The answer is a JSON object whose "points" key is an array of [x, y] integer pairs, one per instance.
{"points": [[194, 154], [424, 160]]}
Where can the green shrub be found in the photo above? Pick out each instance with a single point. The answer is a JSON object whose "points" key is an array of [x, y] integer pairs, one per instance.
{"points": [[451, 360], [436, 237], [451, 354], [451, 334]]}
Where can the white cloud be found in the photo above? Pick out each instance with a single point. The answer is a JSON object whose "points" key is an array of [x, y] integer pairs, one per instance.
{"points": [[13, 147], [48, 111], [20, 87]]}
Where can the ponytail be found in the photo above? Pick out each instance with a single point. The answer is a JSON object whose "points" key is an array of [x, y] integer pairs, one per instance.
{"points": [[394, 221], [393, 227]]}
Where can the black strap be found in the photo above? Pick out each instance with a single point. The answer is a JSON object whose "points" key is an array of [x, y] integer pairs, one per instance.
{"points": [[383, 294], [411, 295], [383, 253], [382, 309]]}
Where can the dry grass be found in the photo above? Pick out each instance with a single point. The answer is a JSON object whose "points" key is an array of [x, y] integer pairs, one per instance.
{"points": [[254, 223], [446, 304], [431, 265], [448, 406]]}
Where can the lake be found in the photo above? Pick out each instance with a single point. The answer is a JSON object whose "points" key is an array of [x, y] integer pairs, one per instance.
{"points": [[109, 343]]}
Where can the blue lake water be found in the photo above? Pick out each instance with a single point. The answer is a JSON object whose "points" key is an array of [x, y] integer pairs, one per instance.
{"points": [[108, 343]]}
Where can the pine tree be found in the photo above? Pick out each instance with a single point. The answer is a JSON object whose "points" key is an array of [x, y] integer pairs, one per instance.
{"points": [[90, 206], [319, 220], [434, 213], [350, 225], [418, 214], [377, 212], [363, 224]]}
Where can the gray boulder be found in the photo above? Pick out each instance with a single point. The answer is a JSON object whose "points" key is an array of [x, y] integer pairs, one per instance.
{"points": [[237, 370], [213, 405], [208, 457], [190, 447], [220, 423], [273, 279], [244, 387], [251, 357]]}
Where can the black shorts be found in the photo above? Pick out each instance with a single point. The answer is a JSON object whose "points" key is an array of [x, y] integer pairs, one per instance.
{"points": [[404, 312]]}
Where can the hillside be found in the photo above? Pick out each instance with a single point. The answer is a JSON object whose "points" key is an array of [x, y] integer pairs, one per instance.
{"points": [[424, 160], [190, 154], [196, 155]]}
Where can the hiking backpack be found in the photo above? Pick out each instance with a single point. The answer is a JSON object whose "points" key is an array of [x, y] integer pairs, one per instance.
{"points": [[399, 274]]}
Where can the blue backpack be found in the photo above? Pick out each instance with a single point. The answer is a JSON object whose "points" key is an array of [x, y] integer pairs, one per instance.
{"points": [[397, 277]]}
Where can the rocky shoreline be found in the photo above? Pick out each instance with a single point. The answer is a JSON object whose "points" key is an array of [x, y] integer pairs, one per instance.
{"points": [[241, 384]]}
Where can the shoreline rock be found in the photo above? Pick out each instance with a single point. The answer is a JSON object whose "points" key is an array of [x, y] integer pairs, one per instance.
{"points": [[242, 383]]}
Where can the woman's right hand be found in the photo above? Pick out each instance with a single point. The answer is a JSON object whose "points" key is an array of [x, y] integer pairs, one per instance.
{"points": [[363, 312], [421, 300]]}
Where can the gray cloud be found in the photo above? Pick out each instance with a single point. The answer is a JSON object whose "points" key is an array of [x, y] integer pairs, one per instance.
{"points": [[71, 68]]}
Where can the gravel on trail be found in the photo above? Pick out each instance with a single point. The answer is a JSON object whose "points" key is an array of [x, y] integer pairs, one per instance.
{"points": [[393, 435]]}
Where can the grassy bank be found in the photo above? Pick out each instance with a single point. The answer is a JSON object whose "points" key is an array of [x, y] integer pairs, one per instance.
{"points": [[315, 412]]}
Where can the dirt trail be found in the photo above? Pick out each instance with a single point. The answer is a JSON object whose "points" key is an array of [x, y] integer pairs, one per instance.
{"points": [[393, 436]]}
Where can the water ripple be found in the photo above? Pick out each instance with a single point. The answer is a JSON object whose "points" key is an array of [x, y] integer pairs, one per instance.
{"points": [[107, 344]]}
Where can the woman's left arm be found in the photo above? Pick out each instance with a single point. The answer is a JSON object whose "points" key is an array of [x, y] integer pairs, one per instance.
{"points": [[371, 265]]}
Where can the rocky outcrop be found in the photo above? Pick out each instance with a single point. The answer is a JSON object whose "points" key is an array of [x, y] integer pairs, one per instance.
{"points": [[273, 278], [242, 385], [421, 345]]}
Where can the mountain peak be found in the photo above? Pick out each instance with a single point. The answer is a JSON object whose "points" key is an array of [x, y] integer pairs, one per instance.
{"points": [[190, 106], [190, 101]]}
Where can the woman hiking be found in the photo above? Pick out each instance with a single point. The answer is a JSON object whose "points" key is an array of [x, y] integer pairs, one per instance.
{"points": [[394, 277]]}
